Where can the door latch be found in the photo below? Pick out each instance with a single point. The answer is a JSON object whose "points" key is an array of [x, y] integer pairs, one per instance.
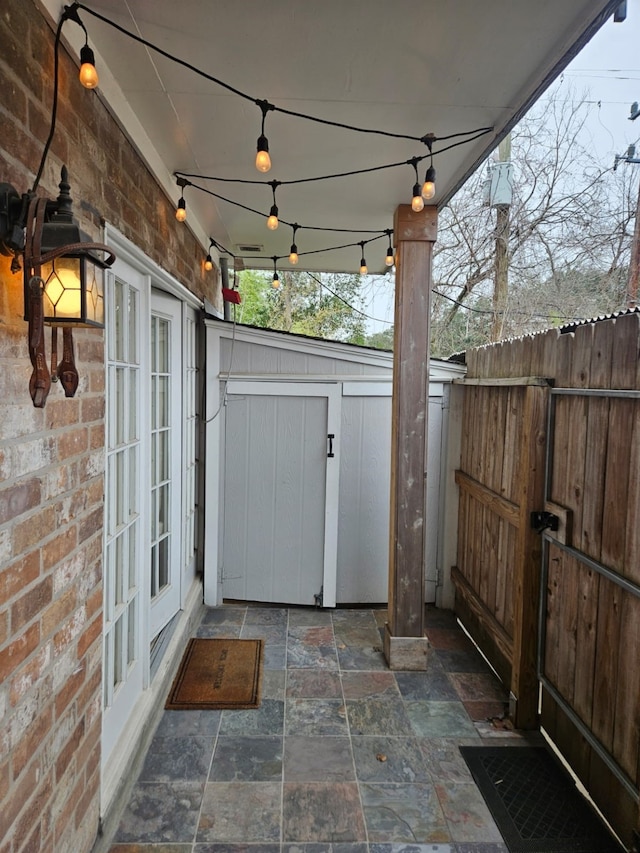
{"points": [[541, 521], [330, 438]]}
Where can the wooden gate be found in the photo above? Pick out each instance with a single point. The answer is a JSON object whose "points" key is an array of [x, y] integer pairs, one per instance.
{"points": [[586, 622], [590, 610]]}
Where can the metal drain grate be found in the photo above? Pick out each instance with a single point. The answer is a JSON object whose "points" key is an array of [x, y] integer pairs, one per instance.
{"points": [[534, 802]]}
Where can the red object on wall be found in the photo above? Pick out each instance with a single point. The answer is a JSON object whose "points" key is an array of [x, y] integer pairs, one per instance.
{"points": [[230, 295]]}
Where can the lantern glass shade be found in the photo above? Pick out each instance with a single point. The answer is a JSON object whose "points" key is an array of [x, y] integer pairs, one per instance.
{"points": [[73, 291]]}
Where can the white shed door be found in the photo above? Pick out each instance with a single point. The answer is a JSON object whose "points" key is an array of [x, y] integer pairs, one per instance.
{"points": [[280, 492]]}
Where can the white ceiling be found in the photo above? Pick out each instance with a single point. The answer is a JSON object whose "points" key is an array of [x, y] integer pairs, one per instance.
{"points": [[409, 66]]}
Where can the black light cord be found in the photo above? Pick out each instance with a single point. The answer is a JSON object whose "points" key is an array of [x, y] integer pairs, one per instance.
{"points": [[54, 103], [221, 248], [284, 221], [413, 161], [263, 104]]}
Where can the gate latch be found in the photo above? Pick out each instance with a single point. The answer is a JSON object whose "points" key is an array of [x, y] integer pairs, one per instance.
{"points": [[541, 521]]}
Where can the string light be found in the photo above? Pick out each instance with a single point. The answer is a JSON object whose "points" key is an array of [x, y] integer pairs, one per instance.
{"points": [[208, 261], [417, 202], [88, 74], [272, 220], [275, 283], [389, 258], [181, 209], [363, 262], [263, 160], [293, 252], [429, 185]]}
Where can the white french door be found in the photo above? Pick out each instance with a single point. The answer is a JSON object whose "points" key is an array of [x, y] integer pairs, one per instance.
{"points": [[150, 490], [165, 469], [125, 602]]}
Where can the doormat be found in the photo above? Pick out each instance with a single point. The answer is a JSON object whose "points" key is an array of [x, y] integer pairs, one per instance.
{"points": [[535, 802], [218, 674]]}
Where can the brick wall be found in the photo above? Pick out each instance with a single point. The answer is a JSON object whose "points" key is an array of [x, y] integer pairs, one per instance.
{"points": [[52, 459]]}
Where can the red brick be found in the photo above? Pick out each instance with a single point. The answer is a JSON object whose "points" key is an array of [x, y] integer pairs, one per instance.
{"points": [[92, 409], [94, 601], [89, 794], [71, 686], [90, 690], [33, 530], [18, 499], [96, 437], [34, 843], [69, 750], [31, 603], [29, 674], [70, 630], [62, 413], [26, 748], [4, 627], [91, 350], [94, 492], [55, 550], [58, 611], [19, 650], [91, 524], [18, 575], [5, 777], [90, 635], [73, 443], [88, 755], [34, 811], [18, 796]]}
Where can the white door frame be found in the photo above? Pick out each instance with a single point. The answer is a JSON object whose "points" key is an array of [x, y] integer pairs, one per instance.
{"points": [[333, 394]]}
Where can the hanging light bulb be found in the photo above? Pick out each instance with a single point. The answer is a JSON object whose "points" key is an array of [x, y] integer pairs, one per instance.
{"points": [[293, 252], [429, 186], [272, 220], [263, 160], [275, 283], [363, 261], [181, 210], [417, 202], [389, 258], [208, 261], [88, 74]]}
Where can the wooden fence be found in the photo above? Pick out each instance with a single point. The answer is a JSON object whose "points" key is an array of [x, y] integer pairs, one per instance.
{"points": [[552, 422]]}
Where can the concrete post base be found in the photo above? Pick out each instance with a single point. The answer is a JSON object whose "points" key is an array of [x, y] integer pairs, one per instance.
{"points": [[406, 652]]}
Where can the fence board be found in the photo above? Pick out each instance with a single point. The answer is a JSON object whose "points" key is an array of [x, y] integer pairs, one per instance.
{"points": [[627, 700]]}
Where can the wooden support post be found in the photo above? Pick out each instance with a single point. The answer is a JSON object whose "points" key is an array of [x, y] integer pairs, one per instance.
{"points": [[524, 679], [414, 234]]}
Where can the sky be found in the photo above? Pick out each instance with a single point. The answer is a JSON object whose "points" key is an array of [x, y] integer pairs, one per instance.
{"points": [[608, 70]]}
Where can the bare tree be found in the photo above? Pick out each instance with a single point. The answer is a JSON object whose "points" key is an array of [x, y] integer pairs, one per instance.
{"points": [[570, 231]]}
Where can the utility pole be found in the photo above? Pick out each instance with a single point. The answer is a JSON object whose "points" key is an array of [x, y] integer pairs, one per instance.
{"points": [[500, 192], [634, 266]]}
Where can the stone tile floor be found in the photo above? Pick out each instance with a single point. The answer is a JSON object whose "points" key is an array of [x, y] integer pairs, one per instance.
{"points": [[343, 755]]}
